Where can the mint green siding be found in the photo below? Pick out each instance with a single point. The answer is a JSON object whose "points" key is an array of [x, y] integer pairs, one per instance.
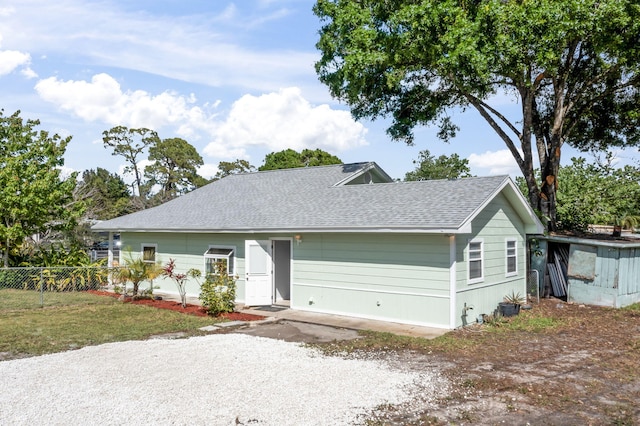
{"points": [[188, 252], [400, 277], [394, 277], [496, 223]]}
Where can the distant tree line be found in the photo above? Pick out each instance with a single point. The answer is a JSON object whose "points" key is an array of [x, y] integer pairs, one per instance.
{"points": [[45, 216]]}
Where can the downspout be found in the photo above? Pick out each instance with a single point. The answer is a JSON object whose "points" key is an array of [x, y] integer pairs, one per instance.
{"points": [[452, 282]]}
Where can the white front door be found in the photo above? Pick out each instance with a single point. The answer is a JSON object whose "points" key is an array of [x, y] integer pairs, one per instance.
{"points": [[258, 277]]}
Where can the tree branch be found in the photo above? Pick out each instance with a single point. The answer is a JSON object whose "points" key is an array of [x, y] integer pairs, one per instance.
{"points": [[482, 109]]}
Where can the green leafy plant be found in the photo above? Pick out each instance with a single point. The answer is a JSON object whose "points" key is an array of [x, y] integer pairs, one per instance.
{"points": [[218, 293], [515, 298], [168, 271], [627, 221], [137, 271]]}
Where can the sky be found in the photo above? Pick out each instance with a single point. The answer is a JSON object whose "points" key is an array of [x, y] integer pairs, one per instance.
{"points": [[234, 79]]}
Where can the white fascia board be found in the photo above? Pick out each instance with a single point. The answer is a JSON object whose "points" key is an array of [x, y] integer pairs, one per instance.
{"points": [[434, 231]]}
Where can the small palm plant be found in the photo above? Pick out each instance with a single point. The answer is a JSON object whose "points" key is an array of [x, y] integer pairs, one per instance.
{"points": [[137, 271], [625, 221]]}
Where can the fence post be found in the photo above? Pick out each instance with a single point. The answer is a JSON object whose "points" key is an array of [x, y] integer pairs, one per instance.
{"points": [[41, 289]]}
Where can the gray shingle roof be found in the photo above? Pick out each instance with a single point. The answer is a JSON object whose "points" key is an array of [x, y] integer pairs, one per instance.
{"points": [[307, 199]]}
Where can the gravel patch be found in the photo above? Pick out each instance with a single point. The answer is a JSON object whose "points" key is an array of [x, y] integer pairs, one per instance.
{"points": [[224, 379]]}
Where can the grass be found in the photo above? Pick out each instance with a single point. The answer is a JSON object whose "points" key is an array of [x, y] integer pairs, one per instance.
{"points": [[524, 322], [456, 342], [73, 320]]}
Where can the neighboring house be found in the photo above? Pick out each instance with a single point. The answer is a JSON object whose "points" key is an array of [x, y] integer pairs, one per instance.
{"points": [[346, 239]]}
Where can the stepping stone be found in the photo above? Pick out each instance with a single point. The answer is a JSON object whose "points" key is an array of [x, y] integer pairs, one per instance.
{"points": [[209, 328], [177, 335], [231, 324]]}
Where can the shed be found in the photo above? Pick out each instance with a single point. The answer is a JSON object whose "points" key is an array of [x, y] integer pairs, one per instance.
{"points": [[593, 270], [347, 239]]}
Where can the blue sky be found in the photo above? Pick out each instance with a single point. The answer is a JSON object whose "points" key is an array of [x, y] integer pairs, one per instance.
{"points": [[234, 79]]}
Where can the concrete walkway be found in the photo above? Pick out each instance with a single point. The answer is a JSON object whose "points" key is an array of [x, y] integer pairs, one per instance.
{"points": [[352, 323], [331, 320]]}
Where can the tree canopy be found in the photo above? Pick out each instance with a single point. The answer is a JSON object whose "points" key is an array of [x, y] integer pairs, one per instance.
{"points": [[34, 197], [429, 167], [174, 168], [290, 159], [105, 194], [570, 66], [131, 144], [226, 168], [596, 193], [173, 164]]}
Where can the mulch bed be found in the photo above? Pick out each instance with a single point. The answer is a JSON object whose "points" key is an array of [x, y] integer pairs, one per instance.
{"points": [[177, 306]]}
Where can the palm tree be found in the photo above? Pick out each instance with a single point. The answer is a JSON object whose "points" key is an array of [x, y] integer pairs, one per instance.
{"points": [[625, 221], [138, 270]]}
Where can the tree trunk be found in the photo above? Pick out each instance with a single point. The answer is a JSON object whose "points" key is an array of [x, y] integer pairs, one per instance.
{"points": [[5, 257]]}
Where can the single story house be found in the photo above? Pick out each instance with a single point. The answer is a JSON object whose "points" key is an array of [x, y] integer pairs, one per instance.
{"points": [[347, 239]]}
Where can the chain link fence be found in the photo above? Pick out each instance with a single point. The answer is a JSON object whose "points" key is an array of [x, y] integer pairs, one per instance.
{"points": [[533, 286], [45, 282]]}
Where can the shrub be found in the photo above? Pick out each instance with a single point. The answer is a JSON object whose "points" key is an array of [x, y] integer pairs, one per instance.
{"points": [[218, 294], [168, 271]]}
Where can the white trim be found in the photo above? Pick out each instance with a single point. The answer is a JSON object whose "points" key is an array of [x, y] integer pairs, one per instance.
{"points": [[464, 228], [110, 252], [469, 260], [155, 254], [291, 286], [506, 256], [452, 281], [233, 249], [522, 207], [370, 290], [366, 168]]}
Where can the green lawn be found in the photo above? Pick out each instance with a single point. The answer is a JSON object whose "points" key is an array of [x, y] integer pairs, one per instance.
{"points": [[76, 319]]}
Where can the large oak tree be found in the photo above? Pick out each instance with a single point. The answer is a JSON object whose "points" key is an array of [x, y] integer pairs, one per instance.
{"points": [[571, 66]]}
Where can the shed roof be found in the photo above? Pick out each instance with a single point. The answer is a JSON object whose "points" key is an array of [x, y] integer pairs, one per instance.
{"points": [[325, 199]]}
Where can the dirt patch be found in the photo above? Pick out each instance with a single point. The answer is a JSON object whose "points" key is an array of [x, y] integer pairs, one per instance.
{"points": [[177, 306], [583, 371], [294, 331]]}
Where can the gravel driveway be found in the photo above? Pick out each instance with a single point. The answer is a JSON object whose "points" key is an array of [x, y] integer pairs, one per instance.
{"points": [[220, 379]]}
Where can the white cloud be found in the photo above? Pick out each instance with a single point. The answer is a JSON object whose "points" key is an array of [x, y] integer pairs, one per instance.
{"points": [[102, 99], [6, 11], [204, 48], [281, 120], [13, 59], [208, 170], [494, 163]]}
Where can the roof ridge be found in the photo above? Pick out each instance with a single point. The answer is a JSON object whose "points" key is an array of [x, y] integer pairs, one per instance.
{"points": [[323, 166]]}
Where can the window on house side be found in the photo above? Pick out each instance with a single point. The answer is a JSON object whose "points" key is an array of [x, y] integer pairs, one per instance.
{"points": [[219, 258], [475, 261], [149, 253], [512, 257]]}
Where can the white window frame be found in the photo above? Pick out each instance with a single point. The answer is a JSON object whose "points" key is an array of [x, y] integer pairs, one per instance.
{"points": [[155, 252], [231, 257], [471, 252], [514, 255]]}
